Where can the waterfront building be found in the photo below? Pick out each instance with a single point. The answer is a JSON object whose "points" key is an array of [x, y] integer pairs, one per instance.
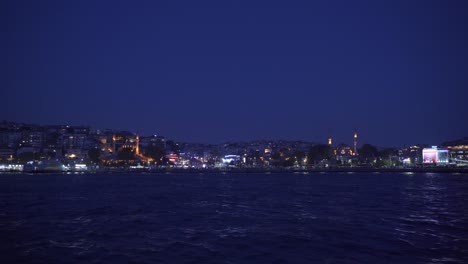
{"points": [[343, 153], [73, 140], [154, 140], [435, 155], [10, 138], [121, 140], [32, 137], [411, 155], [173, 157], [231, 160], [458, 149], [343, 150], [458, 152]]}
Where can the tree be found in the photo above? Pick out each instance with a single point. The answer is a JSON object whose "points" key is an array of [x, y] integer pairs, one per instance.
{"points": [[289, 162], [368, 152], [386, 153], [276, 159], [94, 155], [28, 156], [295, 158], [319, 152], [386, 157], [51, 154], [276, 156], [155, 152]]}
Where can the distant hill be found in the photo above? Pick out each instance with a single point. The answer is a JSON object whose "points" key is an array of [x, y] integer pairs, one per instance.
{"points": [[462, 141]]}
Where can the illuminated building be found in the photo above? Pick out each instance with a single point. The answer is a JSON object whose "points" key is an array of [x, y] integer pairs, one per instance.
{"points": [[329, 141], [343, 150], [343, 153], [73, 141], [435, 155], [173, 158], [32, 138], [458, 150], [123, 140], [230, 160], [411, 155]]}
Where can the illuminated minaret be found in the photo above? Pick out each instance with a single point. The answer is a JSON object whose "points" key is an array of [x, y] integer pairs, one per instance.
{"points": [[113, 143], [329, 141], [355, 142], [137, 149]]}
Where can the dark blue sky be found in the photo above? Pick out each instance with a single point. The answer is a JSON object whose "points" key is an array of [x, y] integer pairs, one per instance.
{"points": [[214, 71]]}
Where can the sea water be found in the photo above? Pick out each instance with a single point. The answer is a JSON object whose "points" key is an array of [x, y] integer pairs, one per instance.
{"points": [[234, 218]]}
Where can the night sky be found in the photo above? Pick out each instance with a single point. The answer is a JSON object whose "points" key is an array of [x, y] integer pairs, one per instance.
{"points": [[216, 71]]}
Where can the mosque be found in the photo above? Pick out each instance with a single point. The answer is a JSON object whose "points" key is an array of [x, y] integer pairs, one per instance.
{"points": [[345, 152]]}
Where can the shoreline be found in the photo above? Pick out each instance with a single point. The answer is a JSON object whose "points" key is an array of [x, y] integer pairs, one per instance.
{"points": [[461, 170], [318, 170]]}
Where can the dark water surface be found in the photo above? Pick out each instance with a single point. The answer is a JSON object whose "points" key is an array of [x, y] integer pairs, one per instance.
{"points": [[234, 218]]}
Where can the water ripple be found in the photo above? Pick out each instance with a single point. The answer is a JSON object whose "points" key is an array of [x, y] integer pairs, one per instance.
{"points": [[234, 218]]}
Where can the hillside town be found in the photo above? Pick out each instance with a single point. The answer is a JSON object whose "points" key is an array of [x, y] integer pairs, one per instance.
{"points": [[29, 147]]}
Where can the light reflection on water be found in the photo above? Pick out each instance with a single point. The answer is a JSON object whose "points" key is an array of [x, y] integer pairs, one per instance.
{"points": [[427, 217]]}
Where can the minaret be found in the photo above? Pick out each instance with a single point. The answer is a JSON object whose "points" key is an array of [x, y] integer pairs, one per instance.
{"points": [[355, 142], [137, 150], [113, 143], [329, 141]]}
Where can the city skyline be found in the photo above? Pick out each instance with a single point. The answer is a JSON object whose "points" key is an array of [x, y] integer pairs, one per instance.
{"points": [[354, 141], [214, 72], [31, 147]]}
